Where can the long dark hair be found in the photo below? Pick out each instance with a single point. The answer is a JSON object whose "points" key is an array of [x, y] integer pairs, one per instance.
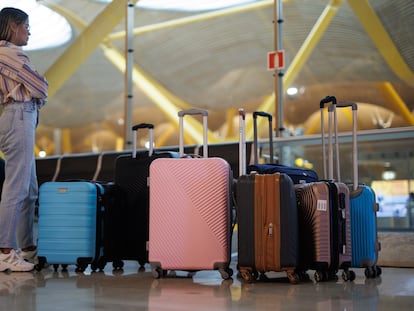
{"points": [[7, 16]]}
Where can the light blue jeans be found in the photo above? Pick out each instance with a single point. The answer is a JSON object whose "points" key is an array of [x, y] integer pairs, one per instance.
{"points": [[18, 123]]}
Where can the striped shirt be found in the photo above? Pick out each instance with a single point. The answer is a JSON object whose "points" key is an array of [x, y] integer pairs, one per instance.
{"points": [[19, 81]]}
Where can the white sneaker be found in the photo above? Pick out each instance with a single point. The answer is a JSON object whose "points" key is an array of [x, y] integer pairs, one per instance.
{"points": [[14, 262], [30, 256]]}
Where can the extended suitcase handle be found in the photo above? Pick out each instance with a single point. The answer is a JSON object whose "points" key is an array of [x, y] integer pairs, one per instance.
{"points": [[242, 142], [143, 126], [193, 111], [354, 107], [135, 128], [327, 100], [256, 151]]}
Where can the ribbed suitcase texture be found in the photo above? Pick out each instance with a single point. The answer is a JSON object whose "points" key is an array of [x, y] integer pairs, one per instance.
{"points": [[190, 215], [324, 229], [69, 230], [365, 245], [364, 231]]}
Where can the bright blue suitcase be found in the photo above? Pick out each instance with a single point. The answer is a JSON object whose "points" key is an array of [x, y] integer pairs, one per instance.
{"points": [[364, 237], [70, 224], [364, 231]]}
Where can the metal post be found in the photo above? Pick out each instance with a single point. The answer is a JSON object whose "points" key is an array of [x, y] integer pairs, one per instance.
{"points": [[129, 51], [278, 74]]}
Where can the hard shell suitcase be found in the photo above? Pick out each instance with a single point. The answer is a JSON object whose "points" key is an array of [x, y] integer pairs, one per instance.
{"points": [[364, 232], [190, 211], [70, 224], [1, 175], [324, 220], [267, 222], [127, 217], [298, 175]]}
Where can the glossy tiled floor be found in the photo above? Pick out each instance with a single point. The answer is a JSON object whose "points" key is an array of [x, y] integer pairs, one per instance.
{"points": [[134, 290]]}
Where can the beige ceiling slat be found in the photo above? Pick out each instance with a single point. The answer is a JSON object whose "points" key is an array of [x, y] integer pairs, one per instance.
{"points": [[395, 102], [382, 40], [193, 129], [192, 19], [162, 92], [85, 44]]}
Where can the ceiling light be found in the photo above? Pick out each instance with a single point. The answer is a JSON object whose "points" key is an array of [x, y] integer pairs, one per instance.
{"points": [[292, 91]]}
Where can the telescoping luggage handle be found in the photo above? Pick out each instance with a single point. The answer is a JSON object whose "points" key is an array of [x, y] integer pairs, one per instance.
{"points": [[150, 128], [354, 107], [193, 111], [327, 163], [242, 142], [334, 127], [256, 151]]}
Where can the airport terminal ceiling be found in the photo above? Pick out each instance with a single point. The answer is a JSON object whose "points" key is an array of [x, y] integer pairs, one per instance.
{"points": [[357, 50]]}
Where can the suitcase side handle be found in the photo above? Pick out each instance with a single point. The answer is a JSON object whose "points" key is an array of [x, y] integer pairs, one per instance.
{"points": [[255, 140], [193, 111], [150, 128]]}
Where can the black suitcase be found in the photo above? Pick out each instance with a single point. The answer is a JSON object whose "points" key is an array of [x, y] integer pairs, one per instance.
{"points": [[127, 204]]}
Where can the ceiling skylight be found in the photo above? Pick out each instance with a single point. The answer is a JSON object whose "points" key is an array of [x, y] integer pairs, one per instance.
{"points": [[188, 5], [47, 28]]}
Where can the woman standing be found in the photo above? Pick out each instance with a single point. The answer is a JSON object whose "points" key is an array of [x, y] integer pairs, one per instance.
{"points": [[23, 92]]}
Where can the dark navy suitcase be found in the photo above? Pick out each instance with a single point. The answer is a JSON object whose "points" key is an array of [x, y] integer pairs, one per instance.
{"points": [[297, 174], [70, 224], [1, 175]]}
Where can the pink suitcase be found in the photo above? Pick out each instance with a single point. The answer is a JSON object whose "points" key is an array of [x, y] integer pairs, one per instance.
{"points": [[190, 211]]}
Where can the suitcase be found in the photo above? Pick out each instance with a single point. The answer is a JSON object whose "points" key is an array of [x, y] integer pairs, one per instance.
{"points": [[267, 222], [324, 220], [190, 211], [2, 175], [298, 175], [70, 224], [364, 232], [127, 217]]}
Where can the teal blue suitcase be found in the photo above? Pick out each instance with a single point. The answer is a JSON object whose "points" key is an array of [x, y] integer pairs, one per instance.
{"points": [[70, 224], [363, 206]]}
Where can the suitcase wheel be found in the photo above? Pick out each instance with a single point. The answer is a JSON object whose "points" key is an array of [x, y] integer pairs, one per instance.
{"points": [[157, 272], [348, 275], [41, 264], [323, 276], [373, 272], [249, 276], [293, 277], [117, 264], [226, 273]]}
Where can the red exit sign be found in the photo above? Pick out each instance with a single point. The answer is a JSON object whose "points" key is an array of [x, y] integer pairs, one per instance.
{"points": [[276, 60]]}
